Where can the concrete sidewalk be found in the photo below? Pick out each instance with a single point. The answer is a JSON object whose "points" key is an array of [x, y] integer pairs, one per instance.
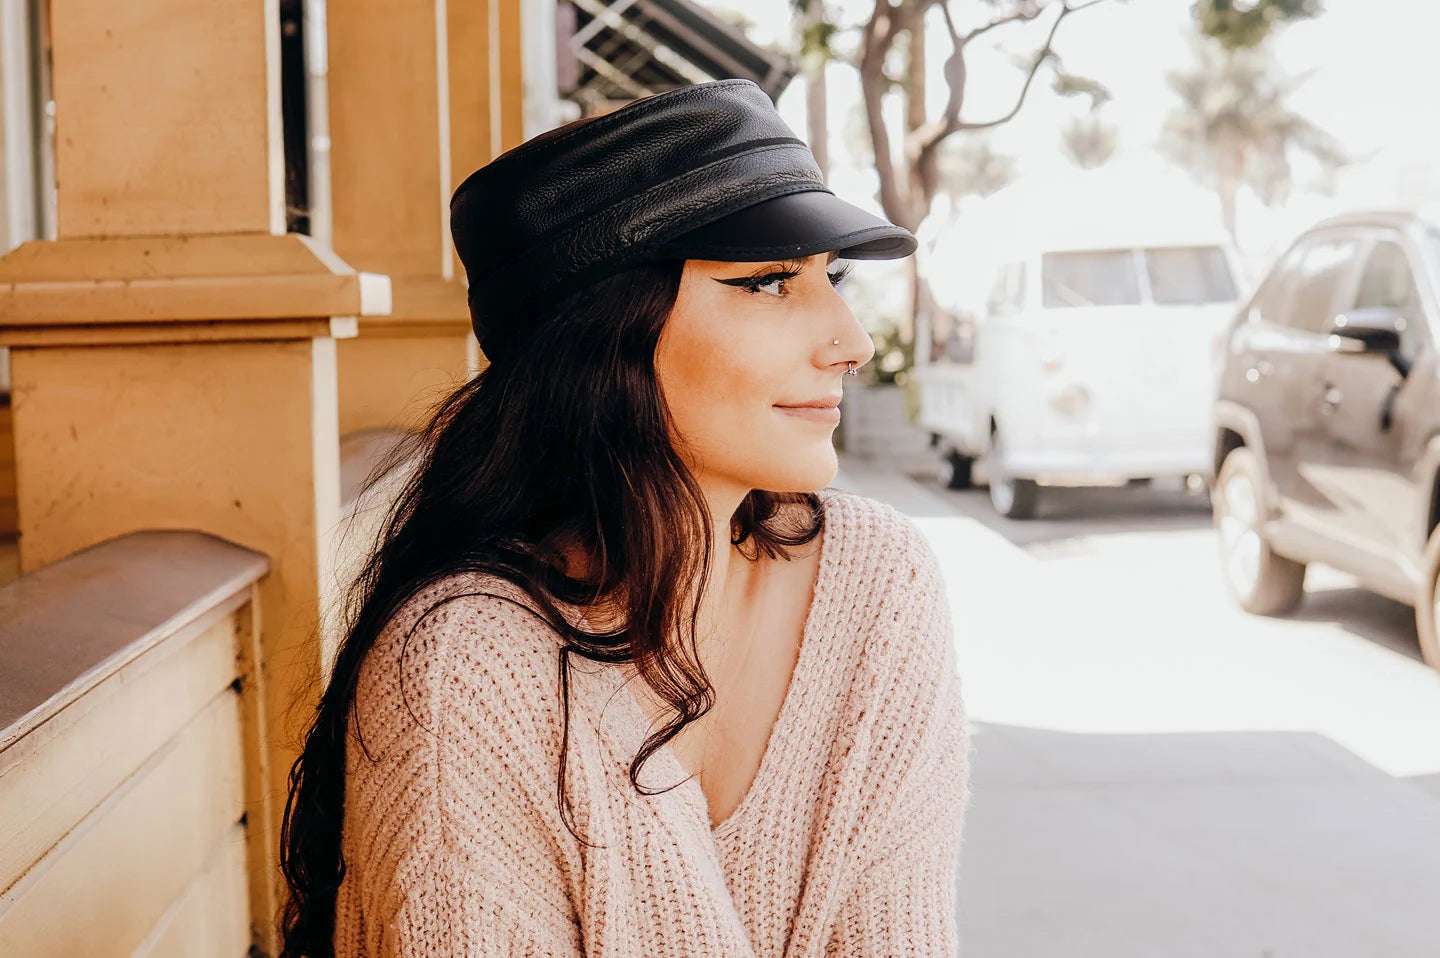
{"points": [[1227, 818]]}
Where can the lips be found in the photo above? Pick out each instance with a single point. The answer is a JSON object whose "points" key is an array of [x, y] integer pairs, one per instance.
{"points": [[826, 411], [826, 402]]}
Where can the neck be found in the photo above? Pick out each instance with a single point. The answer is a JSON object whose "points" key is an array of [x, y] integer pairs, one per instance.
{"points": [[731, 573]]}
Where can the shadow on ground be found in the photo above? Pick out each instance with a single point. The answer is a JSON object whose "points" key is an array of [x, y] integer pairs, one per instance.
{"points": [[1365, 615], [1075, 513], [1193, 845]]}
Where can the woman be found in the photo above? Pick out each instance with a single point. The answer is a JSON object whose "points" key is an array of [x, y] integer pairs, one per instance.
{"points": [[618, 681]]}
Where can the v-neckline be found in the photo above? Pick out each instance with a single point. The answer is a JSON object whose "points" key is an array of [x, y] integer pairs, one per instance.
{"points": [[816, 615]]}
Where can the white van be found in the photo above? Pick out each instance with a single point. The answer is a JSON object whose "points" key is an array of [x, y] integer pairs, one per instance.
{"points": [[1094, 364]]}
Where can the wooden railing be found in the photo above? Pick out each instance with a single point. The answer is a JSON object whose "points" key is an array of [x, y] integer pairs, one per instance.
{"points": [[132, 753]]}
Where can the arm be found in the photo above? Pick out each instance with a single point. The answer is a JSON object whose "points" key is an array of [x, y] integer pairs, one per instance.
{"points": [[902, 901], [451, 835], [454, 908]]}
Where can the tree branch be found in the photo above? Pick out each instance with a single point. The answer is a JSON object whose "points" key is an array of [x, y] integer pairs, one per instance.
{"points": [[1045, 53], [1029, 12]]}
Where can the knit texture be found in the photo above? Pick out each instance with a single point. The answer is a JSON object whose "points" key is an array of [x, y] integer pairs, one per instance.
{"points": [[845, 845]]}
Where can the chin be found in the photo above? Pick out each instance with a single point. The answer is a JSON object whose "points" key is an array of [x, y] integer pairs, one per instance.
{"points": [[810, 472]]}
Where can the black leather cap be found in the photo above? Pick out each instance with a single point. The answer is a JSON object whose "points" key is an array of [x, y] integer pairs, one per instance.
{"points": [[709, 171]]}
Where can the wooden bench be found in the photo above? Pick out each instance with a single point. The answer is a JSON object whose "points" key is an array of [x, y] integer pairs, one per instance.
{"points": [[131, 751]]}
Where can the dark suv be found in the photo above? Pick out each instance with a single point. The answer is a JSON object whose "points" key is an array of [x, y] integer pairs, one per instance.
{"points": [[1328, 419]]}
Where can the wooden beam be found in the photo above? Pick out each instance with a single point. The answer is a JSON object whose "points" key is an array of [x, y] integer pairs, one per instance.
{"points": [[182, 279]]}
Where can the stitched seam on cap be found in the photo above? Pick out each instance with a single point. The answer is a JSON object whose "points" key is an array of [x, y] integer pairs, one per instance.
{"points": [[720, 157], [629, 255], [682, 178], [555, 233]]}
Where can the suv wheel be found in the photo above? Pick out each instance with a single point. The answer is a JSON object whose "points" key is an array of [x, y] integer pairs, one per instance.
{"points": [[1427, 604], [1262, 581], [954, 470], [1013, 498]]}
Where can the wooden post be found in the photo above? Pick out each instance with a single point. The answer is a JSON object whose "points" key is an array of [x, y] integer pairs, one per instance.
{"points": [[422, 93], [174, 351]]}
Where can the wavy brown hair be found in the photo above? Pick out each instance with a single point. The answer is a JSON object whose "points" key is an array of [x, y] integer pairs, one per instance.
{"points": [[563, 442]]}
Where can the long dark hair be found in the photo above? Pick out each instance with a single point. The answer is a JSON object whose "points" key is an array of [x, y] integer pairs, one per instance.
{"points": [[563, 441]]}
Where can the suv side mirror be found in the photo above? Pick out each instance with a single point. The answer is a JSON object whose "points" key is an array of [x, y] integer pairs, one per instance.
{"points": [[1375, 329]]}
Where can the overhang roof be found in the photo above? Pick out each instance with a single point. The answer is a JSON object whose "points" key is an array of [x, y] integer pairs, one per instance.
{"points": [[625, 49]]}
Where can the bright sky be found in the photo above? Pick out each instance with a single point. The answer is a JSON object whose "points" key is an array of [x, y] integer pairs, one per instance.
{"points": [[1373, 86]]}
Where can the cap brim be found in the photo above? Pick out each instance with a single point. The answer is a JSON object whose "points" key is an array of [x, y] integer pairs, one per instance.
{"points": [[793, 227]]}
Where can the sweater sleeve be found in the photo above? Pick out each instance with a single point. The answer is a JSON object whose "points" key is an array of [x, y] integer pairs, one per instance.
{"points": [[902, 901], [451, 840], [450, 910]]}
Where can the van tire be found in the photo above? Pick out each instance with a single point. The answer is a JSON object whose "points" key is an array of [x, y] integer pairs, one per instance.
{"points": [[1012, 497], [1426, 613], [1262, 581], [955, 471]]}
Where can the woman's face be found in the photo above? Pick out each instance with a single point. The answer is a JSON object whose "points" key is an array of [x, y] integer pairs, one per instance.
{"points": [[744, 341]]}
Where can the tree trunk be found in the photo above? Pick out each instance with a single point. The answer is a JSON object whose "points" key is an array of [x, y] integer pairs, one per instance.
{"points": [[877, 39], [815, 121], [1232, 163], [1227, 192], [816, 125]]}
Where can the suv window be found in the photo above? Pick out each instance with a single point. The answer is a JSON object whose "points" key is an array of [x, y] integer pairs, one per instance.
{"points": [[1189, 276], [1432, 242], [1312, 305], [1100, 278], [1269, 302], [1388, 281]]}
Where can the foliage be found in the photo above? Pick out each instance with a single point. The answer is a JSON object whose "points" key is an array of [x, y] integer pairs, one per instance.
{"points": [[1234, 126], [1088, 141], [1240, 26], [1070, 84], [972, 166], [816, 32], [894, 355]]}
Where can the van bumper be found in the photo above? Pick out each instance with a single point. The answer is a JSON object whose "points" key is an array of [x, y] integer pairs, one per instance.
{"points": [[1092, 467]]}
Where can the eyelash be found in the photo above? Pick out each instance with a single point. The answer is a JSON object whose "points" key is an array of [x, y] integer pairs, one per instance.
{"points": [[754, 284]]}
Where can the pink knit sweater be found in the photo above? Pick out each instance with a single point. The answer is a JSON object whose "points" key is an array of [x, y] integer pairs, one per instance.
{"points": [[846, 843]]}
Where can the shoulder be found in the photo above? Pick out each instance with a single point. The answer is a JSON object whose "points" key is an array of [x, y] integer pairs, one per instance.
{"points": [[889, 583], [466, 661], [882, 557], [903, 688]]}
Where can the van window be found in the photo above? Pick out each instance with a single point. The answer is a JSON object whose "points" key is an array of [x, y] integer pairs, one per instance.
{"points": [[1098, 278], [1007, 296], [1189, 276]]}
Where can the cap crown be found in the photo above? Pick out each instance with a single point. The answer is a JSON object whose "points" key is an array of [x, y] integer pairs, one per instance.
{"points": [[567, 208]]}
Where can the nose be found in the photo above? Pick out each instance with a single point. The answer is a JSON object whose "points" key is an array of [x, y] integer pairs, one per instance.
{"points": [[851, 349], [848, 341]]}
